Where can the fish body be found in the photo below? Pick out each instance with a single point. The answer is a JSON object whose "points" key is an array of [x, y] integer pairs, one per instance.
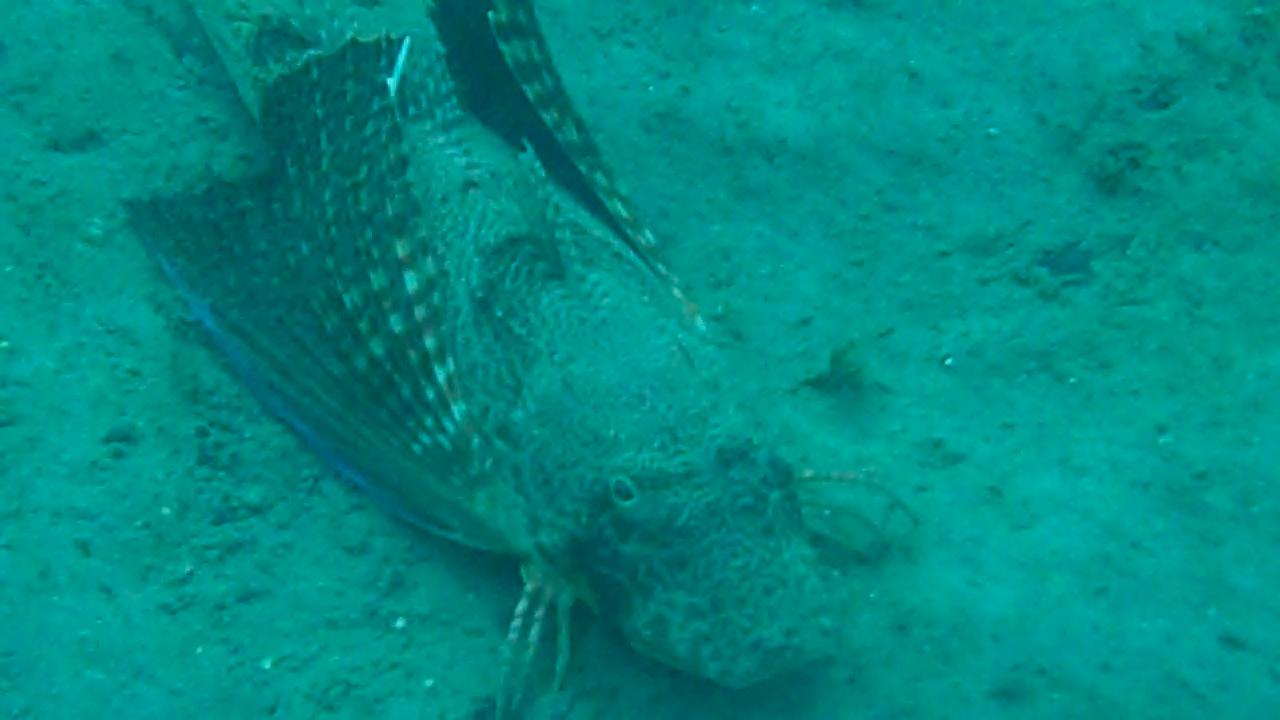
{"points": [[489, 360]]}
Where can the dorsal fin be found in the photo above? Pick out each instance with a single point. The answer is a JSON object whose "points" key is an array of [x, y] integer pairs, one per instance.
{"points": [[515, 27], [519, 36]]}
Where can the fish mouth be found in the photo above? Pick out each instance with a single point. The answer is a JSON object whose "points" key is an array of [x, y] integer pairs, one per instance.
{"points": [[765, 627], [734, 673]]}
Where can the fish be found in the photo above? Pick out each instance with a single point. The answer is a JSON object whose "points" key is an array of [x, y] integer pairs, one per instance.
{"points": [[489, 360]]}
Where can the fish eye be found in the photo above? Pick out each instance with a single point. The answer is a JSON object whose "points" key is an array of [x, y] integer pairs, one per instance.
{"points": [[623, 491]]}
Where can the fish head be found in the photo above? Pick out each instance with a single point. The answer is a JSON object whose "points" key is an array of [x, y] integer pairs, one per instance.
{"points": [[709, 567]]}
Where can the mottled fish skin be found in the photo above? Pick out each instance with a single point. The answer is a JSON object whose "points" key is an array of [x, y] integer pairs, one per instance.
{"points": [[423, 306]]}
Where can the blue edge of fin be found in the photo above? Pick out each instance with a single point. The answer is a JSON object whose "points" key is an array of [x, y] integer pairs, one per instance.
{"points": [[243, 368]]}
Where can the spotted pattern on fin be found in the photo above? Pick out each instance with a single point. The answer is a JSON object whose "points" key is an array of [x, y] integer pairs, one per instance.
{"points": [[324, 282], [389, 289]]}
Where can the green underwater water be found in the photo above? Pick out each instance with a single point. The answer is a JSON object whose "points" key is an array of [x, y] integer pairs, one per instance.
{"points": [[1018, 262]]}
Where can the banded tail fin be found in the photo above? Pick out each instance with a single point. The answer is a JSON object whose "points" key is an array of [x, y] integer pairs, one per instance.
{"points": [[325, 289]]}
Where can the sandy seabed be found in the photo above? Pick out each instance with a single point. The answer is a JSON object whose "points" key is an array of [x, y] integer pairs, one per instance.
{"points": [[1018, 260]]}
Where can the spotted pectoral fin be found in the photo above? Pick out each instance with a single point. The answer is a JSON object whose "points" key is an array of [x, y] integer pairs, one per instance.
{"points": [[324, 289]]}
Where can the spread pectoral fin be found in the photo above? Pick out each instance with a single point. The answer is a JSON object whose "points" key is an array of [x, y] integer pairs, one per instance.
{"points": [[324, 288]]}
